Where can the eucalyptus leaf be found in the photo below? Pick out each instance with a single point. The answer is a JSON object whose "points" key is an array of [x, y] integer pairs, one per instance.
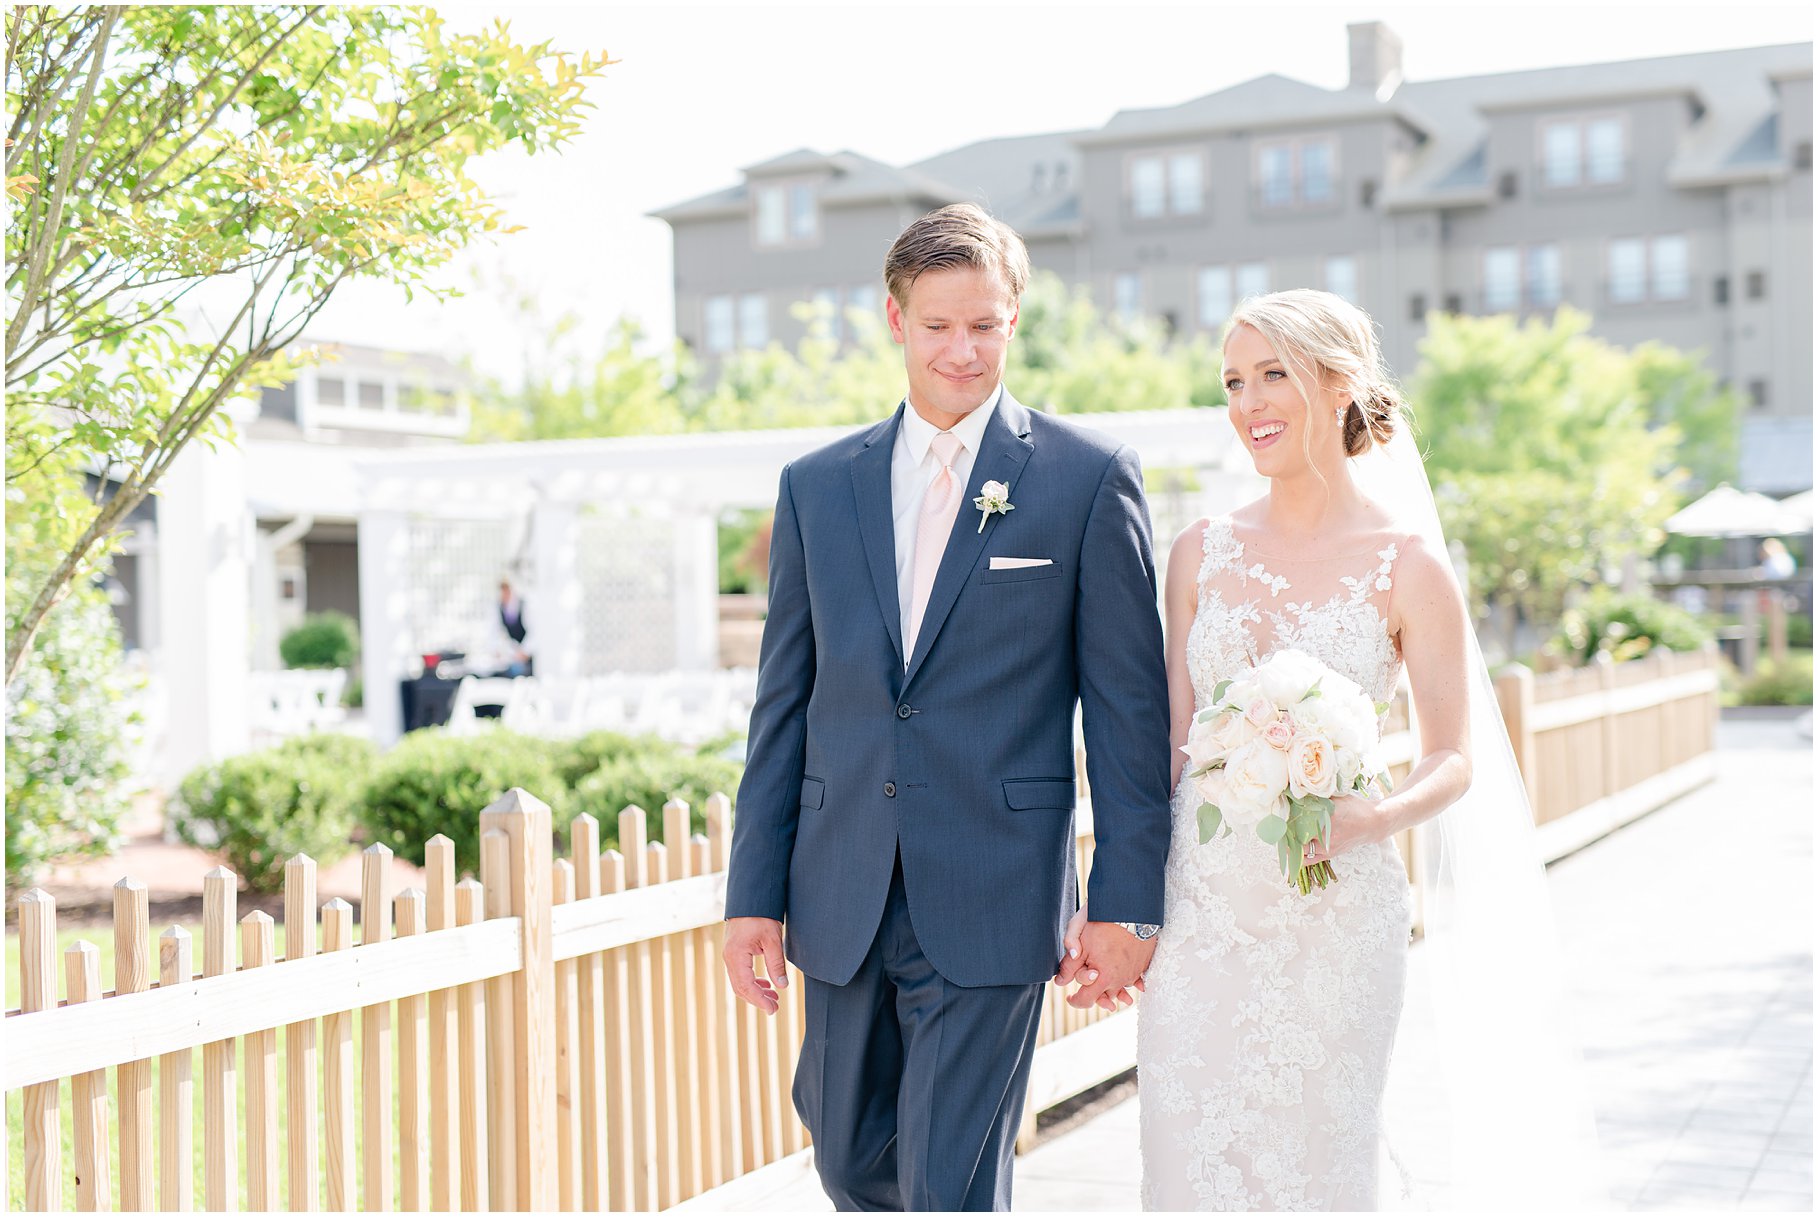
{"points": [[1271, 829], [1210, 821], [1218, 690]]}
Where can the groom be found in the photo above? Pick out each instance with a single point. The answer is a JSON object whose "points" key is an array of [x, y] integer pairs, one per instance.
{"points": [[945, 586]]}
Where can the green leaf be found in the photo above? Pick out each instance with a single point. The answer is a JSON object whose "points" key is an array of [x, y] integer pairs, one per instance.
{"points": [[1210, 821], [1272, 828], [1314, 691], [1218, 690]]}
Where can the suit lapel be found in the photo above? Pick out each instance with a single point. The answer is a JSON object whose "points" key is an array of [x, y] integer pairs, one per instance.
{"points": [[877, 528], [1002, 454]]}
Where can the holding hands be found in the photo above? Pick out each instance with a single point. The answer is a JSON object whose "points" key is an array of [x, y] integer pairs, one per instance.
{"points": [[1106, 960]]}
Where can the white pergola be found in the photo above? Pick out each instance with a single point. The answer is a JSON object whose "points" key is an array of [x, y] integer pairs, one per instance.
{"points": [[614, 540]]}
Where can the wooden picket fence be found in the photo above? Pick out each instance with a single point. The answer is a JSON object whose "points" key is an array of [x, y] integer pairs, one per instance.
{"points": [[555, 1034]]}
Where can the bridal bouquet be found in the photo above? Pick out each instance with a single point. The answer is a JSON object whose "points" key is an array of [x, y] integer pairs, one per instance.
{"points": [[1273, 750]]}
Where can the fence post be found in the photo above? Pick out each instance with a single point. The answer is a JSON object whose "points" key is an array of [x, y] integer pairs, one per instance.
{"points": [[525, 821], [132, 974], [1515, 692], [1606, 725]]}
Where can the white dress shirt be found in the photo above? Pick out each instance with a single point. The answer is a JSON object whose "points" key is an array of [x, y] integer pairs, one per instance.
{"points": [[912, 469]]}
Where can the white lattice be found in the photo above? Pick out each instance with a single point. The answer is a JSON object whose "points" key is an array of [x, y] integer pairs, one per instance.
{"points": [[626, 560], [453, 583]]}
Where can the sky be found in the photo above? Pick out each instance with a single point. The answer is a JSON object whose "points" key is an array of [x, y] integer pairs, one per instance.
{"points": [[699, 91]]}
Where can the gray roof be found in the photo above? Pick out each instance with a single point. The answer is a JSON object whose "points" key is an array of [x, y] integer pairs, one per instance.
{"points": [[853, 178], [1001, 175], [1735, 137]]}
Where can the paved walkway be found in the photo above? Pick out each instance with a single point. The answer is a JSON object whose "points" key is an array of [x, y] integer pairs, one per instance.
{"points": [[1689, 954]]}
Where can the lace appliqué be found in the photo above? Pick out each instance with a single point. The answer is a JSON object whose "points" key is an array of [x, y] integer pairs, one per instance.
{"points": [[1263, 1040]]}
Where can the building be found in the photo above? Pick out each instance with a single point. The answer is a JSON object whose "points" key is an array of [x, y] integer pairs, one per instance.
{"points": [[1669, 198]]}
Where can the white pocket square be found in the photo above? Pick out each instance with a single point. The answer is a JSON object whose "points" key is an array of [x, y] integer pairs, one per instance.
{"points": [[1019, 563]]}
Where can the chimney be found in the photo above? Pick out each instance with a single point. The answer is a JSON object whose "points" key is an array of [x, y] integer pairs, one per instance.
{"points": [[1375, 59]]}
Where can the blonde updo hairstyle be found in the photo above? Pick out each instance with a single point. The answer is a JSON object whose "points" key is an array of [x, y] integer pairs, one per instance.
{"points": [[1338, 340]]}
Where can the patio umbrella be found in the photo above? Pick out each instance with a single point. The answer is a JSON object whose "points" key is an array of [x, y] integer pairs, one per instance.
{"points": [[1728, 512], [1798, 511]]}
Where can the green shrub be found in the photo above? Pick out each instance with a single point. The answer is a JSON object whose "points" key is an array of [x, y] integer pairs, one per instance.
{"points": [[324, 640], [261, 808], [1776, 684], [1626, 627], [649, 779], [434, 782], [69, 722], [583, 755]]}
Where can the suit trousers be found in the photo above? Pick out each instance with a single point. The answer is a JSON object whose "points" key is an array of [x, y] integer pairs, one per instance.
{"points": [[911, 1086]]}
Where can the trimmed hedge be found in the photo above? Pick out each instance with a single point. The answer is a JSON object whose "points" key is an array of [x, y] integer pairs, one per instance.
{"points": [[434, 782], [324, 640], [260, 808]]}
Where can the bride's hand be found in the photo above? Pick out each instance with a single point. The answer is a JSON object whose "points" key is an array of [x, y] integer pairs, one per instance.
{"points": [[1071, 965], [1354, 823]]}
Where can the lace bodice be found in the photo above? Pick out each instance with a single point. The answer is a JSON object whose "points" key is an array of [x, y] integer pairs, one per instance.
{"points": [[1263, 1040], [1334, 609]]}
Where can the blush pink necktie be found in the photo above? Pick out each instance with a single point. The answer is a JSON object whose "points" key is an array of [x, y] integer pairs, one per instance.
{"points": [[939, 506]]}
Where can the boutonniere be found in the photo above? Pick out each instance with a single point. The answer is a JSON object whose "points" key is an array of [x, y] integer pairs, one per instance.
{"points": [[993, 499]]}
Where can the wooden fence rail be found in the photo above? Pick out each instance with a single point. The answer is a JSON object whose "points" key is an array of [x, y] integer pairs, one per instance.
{"points": [[557, 1034]]}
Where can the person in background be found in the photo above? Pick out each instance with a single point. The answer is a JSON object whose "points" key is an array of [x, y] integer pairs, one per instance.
{"points": [[511, 618], [1776, 561]]}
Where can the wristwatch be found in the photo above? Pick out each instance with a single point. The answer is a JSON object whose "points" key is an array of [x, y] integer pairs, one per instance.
{"points": [[1143, 931]]}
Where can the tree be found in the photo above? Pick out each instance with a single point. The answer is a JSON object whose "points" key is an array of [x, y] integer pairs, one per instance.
{"points": [[1066, 358], [1555, 456], [239, 163]]}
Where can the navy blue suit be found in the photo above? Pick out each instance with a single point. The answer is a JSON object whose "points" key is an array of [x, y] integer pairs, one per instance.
{"points": [[913, 827]]}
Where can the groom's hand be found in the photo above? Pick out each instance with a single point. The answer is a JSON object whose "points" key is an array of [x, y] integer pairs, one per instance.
{"points": [[748, 939], [1111, 961]]}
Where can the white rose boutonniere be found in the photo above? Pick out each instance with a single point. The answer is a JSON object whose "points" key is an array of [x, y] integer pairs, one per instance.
{"points": [[993, 499]]}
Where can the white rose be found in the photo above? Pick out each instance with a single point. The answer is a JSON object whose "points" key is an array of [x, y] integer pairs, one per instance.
{"points": [[1287, 676], [1350, 764], [1312, 768], [1230, 732], [1260, 711], [1212, 787], [1201, 746], [1255, 777], [1241, 694]]}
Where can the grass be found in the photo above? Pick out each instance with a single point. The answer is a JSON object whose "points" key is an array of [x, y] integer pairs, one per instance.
{"points": [[15, 1099]]}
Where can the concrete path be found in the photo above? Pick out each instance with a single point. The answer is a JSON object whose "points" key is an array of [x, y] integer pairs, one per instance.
{"points": [[1689, 955]]}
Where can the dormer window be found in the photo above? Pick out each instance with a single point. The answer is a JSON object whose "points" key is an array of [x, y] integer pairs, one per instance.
{"points": [[1583, 152], [785, 214], [1297, 173]]}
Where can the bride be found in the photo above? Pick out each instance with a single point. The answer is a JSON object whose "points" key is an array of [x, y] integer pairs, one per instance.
{"points": [[1264, 1040]]}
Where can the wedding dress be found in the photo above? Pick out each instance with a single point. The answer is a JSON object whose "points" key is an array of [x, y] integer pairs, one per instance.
{"points": [[1264, 1037]]}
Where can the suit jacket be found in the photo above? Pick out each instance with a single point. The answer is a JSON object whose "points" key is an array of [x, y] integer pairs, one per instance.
{"points": [[963, 762]]}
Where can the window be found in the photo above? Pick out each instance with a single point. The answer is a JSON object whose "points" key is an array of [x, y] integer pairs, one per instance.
{"points": [[719, 334], [1577, 152], [331, 391], [372, 395], [1170, 184], [1341, 277], [1417, 307], [863, 299], [754, 320], [1214, 295], [1300, 173], [1603, 150], [1508, 185], [1502, 279], [1671, 270], [1802, 154], [772, 216], [1628, 270], [1757, 285], [1252, 279], [1454, 303], [1148, 187], [1276, 168], [802, 219], [1758, 394], [1366, 193], [1127, 296], [1316, 173], [1543, 278], [1559, 154], [1186, 187], [1720, 290]]}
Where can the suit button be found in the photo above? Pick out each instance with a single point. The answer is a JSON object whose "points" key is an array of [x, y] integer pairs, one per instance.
{"points": [[903, 711], [889, 790]]}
